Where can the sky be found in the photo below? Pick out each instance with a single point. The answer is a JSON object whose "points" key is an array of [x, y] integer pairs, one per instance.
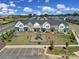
{"points": [[24, 7]]}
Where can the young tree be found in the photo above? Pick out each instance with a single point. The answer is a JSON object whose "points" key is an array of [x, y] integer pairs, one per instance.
{"points": [[66, 51], [67, 44], [51, 45]]}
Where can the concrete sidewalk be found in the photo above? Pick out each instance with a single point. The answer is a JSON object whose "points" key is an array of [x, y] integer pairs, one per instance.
{"points": [[36, 46], [75, 36]]}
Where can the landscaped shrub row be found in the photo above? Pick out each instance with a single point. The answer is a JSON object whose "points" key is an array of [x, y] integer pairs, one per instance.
{"points": [[76, 34], [7, 35], [71, 36]]}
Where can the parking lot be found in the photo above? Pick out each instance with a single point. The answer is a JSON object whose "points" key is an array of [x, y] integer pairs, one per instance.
{"points": [[23, 53]]}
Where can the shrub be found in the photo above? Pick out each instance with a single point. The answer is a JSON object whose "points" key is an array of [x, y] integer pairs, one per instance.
{"points": [[50, 48], [9, 40]]}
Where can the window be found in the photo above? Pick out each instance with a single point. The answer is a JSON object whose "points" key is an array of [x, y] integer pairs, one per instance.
{"points": [[47, 26], [21, 25], [61, 26]]}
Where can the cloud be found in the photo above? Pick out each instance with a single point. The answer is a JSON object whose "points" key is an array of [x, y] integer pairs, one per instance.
{"points": [[46, 0], [4, 10], [37, 12], [60, 6], [67, 9], [23, 14], [27, 9], [3, 5], [1, 13], [71, 9], [58, 12], [8, 11], [12, 4], [29, 0], [16, 10], [48, 9], [11, 13]]}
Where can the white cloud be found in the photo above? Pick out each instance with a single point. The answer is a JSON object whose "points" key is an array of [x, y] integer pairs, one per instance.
{"points": [[12, 4], [1, 13], [67, 9], [3, 5], [48, 9], [59, 12], [71, 9], [60, 6], [7, 11], [5, 8], [11, 13], [29, 0], [27, 9], [37, 12], [46, 0], [23, 14]]}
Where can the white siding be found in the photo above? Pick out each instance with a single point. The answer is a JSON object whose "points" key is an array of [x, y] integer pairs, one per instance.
{"points": [[61, 27], [19, 24], [37, 25], [46, 25]]}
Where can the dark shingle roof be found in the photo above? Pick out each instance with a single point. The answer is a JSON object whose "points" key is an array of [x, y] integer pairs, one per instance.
{"points": [[52, 21]]}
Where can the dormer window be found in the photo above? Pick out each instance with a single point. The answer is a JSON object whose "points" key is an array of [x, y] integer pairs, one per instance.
{"points": [[21, 25], [61, 26]]}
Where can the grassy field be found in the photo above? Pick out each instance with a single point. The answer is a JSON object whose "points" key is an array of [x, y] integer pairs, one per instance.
{"points": [[25, 38], [20, 39], [60, 38], [73, 26], [59, 51], [3, 22]]}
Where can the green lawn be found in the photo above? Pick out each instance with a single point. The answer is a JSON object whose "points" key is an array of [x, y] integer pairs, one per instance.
{"points": [[19, 40], [25, 38], [73, 26], [59, 51], [60, 39], [22, 39]]}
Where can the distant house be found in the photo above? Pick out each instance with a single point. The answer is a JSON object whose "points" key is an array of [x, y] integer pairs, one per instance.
{"points": [[42, 24]]}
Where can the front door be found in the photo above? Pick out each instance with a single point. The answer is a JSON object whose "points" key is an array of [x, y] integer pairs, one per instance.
{"points": [[21, 29], [36, 30]]}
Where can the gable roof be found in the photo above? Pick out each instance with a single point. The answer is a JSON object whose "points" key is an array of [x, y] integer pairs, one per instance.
{"points": [[51, 21]]}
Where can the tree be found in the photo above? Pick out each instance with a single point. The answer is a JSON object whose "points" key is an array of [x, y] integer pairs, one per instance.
{"points": [[51, 45], [66, 50], [3, 38], [29, 15], [34, 15], [75, 14], [46, 15], [67, 44]]}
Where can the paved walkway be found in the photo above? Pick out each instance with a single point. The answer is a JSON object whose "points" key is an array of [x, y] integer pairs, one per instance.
{"points": [[75, 36], [36, 46]]}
